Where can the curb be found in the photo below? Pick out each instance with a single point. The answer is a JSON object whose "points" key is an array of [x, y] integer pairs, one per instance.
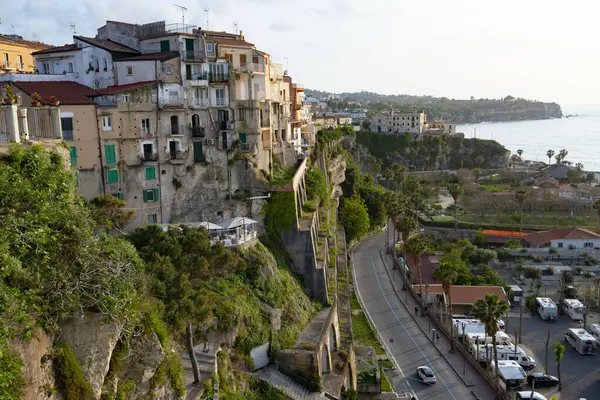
{"points": [[421, 329]]}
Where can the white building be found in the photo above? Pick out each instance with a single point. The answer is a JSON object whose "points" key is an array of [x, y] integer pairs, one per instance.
{"points": [[567, 238], [398, 122]]}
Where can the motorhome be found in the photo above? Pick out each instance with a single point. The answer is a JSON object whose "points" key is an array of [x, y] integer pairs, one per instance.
{"points": [[574, 309], [466, 326], [505, 352], [511, 373], [595, 331], [546, 308], [481, 338], [581, 341], [516, 294]]}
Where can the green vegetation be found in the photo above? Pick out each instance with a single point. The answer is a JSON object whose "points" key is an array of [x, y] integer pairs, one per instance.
{"points": [[354, 304], [315, 185], [11, 378], [281, 176], [70, 376], [363, 334], [355, 218], [385, 383], [280, 211]]}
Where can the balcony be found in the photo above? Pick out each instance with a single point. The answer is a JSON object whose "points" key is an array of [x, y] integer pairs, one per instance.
{"points": [[226, 125], [178, 28], [199, 102], [197, 131], [219, 102], [194, 80], [9, 66], [172, 102], [177, 157], [218, 78], [175, 130], [251, 67], [149, 157], [192, 55]]}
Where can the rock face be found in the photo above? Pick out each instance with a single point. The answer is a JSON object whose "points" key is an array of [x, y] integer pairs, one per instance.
{"points": [[144, 357], [37, 366], [92, 340], [337, 170]]}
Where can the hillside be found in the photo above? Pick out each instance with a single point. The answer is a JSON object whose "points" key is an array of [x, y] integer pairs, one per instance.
{"points": [[442, 108]]}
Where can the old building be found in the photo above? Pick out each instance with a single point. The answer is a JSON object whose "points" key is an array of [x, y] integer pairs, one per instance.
{"points": [[398, 122], [15, 54]]}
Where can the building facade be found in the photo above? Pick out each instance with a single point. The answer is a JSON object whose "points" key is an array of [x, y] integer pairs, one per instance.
{"points": [[15, 54], [397, 122]]}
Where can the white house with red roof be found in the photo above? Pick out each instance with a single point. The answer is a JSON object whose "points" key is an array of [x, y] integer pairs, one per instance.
{"points": [[567, 238]]}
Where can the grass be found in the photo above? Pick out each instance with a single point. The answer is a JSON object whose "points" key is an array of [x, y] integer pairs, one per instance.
{"points": [[354, 304], [549, 220], [385, 383], [385, 363], [442, 218], [364, 335], [494, 188]]}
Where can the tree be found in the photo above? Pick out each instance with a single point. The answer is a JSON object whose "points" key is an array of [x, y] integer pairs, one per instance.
{"points": [[454, 257], [520, 197], [547, 344], [597, 208], [316, 187], [398, 175], [416, 246], [514, 160], [560, 157], [533, 274], [559, 351], [447, 273], [108, 211], [489, 310], [520, 153], [550, 154], [406, 225], [366, 125], [576, 176], [455, 191], [355, 217]]}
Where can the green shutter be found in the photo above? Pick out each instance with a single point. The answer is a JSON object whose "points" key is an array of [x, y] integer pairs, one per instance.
{"points": [[150, 173], [156, 194], [112, 176], [198, 153], [145, 196], [110, 154], [73, 155], [119, 195]]}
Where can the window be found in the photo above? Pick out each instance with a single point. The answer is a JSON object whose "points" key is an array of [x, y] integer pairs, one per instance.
{"points": [[209, 47], [152, 218], [560, 245], [6, 59], [242, 60], [165, 46], [150, 195], [173, 95], [73, 155], [20, 62], [125, 98], [169, 69], [255, 59], [107, 123], [220, 96], [174, 125], [150, 173], [129, 70], [110, 154], [146, 126], [105, 64], [46, 68], [198, 153], [66, 124], [588, 244], [112, 176], [70, 67], [119, 195], [148, 152], [229, 57], [241, 114]]}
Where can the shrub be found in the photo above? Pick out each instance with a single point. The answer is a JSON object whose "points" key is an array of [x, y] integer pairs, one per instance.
{"points": [[308, 207], [552, 250], [11, 376], [70, 375], [315, 185], [530, 303]]}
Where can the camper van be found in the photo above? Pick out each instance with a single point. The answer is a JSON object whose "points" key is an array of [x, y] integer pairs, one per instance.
{"points": [[546, 308], [505, 352], [467, 326], [581, 341], [595, 331], [516, 295], [511, 373], [574, 309], [481, 338]]}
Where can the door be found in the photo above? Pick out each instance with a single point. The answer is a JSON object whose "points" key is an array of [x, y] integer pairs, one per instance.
{"points": [[220, 96], [242, 60], [173, 149], [148, 152], [189, 49], [198, 154], [224, 140], [223, 119], [66, 123], [243, 140]]}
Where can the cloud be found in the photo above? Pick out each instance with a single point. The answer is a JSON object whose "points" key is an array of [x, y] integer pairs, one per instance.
{"points": [[280, 27]]}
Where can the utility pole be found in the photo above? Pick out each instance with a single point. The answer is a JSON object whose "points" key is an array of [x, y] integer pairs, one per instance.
{"points": [[520, 319]]}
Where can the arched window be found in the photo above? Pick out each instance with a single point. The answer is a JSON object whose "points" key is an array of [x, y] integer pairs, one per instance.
{"points": [[195, 120]]}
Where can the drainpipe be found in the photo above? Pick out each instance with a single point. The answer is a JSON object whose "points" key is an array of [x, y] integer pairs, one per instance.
{"points": [[157, 140], [100, 151]]}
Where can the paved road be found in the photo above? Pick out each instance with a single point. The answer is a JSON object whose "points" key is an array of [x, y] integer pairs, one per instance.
{"points": [[410, 347]]}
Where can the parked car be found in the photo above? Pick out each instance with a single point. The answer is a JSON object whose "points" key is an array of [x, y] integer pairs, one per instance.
{"points": [[541, 380], [426, 374], [527, 396]]}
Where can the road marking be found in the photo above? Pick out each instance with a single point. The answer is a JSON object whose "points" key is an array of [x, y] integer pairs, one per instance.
{"points": [[407, 332]]}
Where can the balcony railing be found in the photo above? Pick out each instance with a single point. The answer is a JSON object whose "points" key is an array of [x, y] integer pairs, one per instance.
{"points": [[251, 67], [172, 101], [192, 55], [219, 102], [224, 77], [8, 65], [149, 157], [197, 131], [175, 130], [198, 102], [178, 155], [226, 125]]}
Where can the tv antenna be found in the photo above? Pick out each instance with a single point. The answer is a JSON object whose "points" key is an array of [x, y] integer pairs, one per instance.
{"points": [[183, 10], [72, 25], [13, 28], [235, 27], [206, 9]]}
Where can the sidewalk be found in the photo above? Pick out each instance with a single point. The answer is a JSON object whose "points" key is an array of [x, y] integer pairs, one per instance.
{"points": [[471, 377]]}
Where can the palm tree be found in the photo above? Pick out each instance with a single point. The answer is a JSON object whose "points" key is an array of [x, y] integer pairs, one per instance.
{"points": [[550, 154], [489, 310], [416, 247], [559, 351], [521, 196], [520, 152], [446, 273], [455, 191], [398, 175], [406, 225], [515, 159]]}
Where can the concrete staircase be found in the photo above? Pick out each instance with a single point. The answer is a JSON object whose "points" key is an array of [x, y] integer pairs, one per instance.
{"points": [[286, 385], [207, 364]]}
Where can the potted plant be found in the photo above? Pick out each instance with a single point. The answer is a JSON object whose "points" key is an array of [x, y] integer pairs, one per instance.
{"points": [[37, 99], [53, 101], [9, 96]]}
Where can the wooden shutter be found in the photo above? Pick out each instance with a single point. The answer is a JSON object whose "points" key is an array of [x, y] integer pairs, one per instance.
{"points": [[151, 173], [110, 156], [145, 196]]}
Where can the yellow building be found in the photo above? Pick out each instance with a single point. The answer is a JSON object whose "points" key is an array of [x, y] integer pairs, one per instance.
{"points": [[15, 54]]}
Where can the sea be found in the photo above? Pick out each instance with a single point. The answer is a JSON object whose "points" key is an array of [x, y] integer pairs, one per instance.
{"points": [[579, 135]]}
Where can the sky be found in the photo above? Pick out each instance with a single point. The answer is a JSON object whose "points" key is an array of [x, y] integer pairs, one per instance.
{"points": [[543, 50]]}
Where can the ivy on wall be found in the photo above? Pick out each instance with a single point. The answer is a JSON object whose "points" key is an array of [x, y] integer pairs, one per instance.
{"points": [[280, 211]]}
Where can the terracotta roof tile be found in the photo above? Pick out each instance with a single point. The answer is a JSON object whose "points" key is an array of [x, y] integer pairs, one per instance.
{"points": [[466, 295], [107, 45], [58, 49], [232, 42], [69, 93], [22, 42], [151, 57], [503, 233], [123, 88], [544, 237]]}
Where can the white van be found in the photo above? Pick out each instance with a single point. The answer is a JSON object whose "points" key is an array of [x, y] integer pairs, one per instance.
{"points": [[516, 295], [481, 338], [574, 309], [511, 373], [527, 396], [505, 352], [581, 341], [546, 308], [595, 331]]}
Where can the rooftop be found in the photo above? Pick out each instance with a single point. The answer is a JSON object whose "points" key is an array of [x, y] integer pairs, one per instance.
{"points": [[151, 57], [465, 295], [122, 88], [107, 45], [18, 41], [57, 49], [69, 93], [232, 42], [574, 233]]}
